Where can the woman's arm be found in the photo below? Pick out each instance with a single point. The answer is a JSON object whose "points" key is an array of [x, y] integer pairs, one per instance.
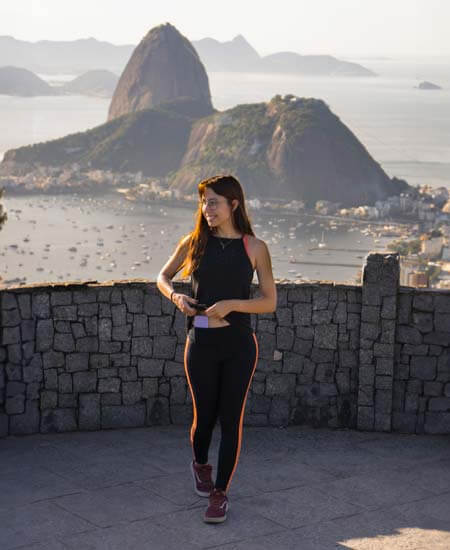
{"points": [[267, 302], [169, 270]]}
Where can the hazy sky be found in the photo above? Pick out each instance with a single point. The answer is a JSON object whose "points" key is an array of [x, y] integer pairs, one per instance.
{"points": [[337, 27]]}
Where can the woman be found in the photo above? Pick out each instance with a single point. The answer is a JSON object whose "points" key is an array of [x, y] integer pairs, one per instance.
{"points": [[221, 349]]}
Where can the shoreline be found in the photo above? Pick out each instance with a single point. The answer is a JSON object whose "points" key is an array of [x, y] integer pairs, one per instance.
{"points": [[109, 192]]}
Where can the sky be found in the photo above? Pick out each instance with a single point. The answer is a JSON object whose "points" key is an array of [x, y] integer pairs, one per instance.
{"points": [[354, 28]]}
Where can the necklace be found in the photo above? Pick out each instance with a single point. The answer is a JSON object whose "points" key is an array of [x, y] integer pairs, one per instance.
{"points": [[224, 245]]}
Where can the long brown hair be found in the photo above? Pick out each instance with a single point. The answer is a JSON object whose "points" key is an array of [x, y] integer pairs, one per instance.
{"points": [[230, 188]]}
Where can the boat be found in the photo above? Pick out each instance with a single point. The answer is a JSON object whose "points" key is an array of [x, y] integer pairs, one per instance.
{"points": [[322, 243]]}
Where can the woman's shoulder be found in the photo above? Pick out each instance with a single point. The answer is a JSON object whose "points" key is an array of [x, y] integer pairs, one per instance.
{"points": [[256, 247], [254, 241]]}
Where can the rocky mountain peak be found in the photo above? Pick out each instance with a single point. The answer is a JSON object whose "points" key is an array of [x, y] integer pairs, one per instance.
{"points": [[163, 67]]}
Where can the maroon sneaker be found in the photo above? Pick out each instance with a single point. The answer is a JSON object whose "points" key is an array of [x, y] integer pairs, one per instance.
{"points": [[218, 507], [203, 484]]}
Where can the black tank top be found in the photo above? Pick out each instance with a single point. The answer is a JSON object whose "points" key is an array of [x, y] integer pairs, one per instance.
{"points": [[223, 274]]}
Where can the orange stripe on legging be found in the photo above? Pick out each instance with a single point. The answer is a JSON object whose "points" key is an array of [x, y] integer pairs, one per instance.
{"points": [[241, 420], [194, 406]]}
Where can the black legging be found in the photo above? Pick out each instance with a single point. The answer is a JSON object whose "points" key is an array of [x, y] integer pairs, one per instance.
{"points": [[219, 366]]}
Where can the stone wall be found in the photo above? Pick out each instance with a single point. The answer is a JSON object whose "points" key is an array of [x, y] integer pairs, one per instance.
{"points": [[94, 356]]}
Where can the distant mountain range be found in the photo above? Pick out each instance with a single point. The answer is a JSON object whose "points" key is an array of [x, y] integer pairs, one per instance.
{"points": [[162, 123], [237, 55], [17, 81]]}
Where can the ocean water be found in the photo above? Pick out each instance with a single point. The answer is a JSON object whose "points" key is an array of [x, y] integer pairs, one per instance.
{"points": [[71, 237]]}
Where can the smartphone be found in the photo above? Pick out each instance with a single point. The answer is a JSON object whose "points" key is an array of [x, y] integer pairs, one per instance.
{"points": [[199, 307]]}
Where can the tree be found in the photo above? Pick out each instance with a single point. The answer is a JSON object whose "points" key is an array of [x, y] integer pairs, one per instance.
{"points": [[3, 215]]}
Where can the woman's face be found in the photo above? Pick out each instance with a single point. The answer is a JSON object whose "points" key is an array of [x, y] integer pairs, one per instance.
{"points": [[216, 209]]}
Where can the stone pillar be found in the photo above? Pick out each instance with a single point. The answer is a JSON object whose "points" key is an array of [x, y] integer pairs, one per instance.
{"points": [[380, 284], [3, 416]]}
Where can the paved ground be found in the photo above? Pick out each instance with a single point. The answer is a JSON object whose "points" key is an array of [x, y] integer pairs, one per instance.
{"points": [[294, 488]]}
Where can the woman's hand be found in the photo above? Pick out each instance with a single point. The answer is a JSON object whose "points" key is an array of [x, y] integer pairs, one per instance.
{"points": [[219, 309], [182, 302]]}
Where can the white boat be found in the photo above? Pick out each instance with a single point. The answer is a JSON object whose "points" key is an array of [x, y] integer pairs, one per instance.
{"points": [[322, 243]]}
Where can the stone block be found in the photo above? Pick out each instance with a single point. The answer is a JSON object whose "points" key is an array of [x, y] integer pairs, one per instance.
{"points": [[423, 321], [437, 423], [65, 313], [41, 306], [121, 333], [423, 368], [27, 422], [33, 371], [87, 344], [367, 375], [172, 368], [434, 389], [109, 385], [58, 420], [10, 317], [285, 338], [157, 412], [131, 392], [84, 382], [322, 317], [408, 335], [64, 342], [383, 382], [149, 387], [423, 302], [366, 418], [44, 335], [177, 390], [152, 305], [65, 383], [52, 359], [366, 396], [299, 294], [284, 316], [77, 362], [280, 384], [302, 347], [384, 366], [442, 321], [181, 414], [159, 325], [120, 359], [370, 314], [89, 411], [292, 363], [325, 336], [49, 399], [439, 404], [61, 298], [150, 367], [302, 314], [142, 346], [25, 306], [15, 405]]}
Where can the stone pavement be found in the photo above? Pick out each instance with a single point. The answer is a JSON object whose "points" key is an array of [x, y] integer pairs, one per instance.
{"points": [[294, 488]]}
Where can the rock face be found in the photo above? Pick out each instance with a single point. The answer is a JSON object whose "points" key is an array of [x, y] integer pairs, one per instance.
{"points": [[21, 82], [290, 147], [163, 67]]}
